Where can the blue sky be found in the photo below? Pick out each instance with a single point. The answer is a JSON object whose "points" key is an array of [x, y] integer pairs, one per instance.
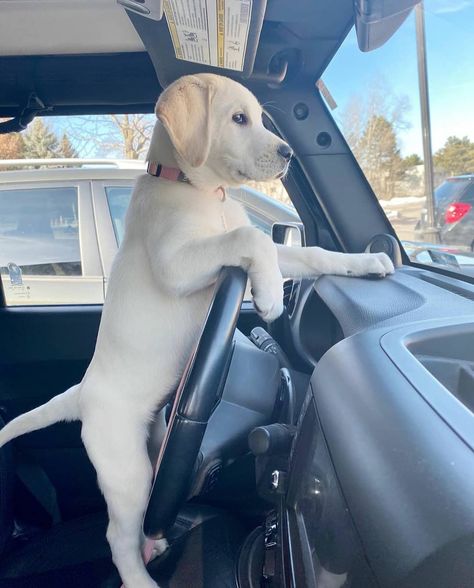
{"points": [[450, 53]]}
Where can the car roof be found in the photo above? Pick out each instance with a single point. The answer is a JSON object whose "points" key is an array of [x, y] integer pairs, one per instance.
{"points": [[116, 170], [85, 56], [74, 27], [79, 170]]}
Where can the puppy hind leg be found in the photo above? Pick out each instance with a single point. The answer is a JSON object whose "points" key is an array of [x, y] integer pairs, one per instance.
{"points": [[124, 473]]}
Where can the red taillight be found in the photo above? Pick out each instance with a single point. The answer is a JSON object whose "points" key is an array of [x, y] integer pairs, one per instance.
{"points": [[456, 211]]}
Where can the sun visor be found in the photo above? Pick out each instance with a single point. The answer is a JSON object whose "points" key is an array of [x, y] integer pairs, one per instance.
{"points": [[203, 35]]}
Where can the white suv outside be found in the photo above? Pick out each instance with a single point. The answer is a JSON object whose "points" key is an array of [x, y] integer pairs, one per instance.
{"points": [[61, 223]]}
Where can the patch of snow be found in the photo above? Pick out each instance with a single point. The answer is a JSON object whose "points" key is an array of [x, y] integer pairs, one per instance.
{"points": [[400, 201]]}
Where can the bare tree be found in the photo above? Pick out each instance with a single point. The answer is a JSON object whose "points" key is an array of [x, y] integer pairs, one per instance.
{"points": [[136, 130], [116, 135], [371, 124], [379, 100]]}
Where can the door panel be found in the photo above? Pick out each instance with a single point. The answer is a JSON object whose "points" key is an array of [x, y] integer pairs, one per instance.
{"points": [[49, 252], [43, 351]]}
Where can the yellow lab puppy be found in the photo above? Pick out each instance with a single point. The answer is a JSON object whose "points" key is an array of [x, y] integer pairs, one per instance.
{"points": [[180, 231]]}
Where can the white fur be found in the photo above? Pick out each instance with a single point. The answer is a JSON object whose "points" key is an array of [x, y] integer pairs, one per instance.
{"points": [[178, 236]]}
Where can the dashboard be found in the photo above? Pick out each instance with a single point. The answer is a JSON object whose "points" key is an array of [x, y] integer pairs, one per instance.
{"points": [[381, 470]]}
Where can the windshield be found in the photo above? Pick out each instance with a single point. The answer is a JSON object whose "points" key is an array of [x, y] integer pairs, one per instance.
{"points": [[379, 110]]}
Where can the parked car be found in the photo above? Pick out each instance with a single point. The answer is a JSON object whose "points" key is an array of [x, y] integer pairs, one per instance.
{"points": [[60, 227], [454, 212]]}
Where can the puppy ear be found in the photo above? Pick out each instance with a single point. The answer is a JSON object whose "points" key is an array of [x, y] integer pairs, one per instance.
{"points": [[184, 111]]}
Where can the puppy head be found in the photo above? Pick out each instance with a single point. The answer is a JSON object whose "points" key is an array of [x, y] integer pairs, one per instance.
{"points": [[216, 128]]}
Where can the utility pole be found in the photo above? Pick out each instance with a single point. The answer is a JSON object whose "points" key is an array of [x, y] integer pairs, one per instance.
{"points": [[431, 232]]}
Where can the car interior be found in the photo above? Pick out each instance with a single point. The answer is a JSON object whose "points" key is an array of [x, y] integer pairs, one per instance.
{"points": [[332, 448]]}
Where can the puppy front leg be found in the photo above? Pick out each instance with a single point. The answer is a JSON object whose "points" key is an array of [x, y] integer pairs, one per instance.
{"points": [[310, 262], [186, 266]]}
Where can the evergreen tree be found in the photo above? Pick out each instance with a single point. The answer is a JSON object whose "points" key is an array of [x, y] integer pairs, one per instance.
{"points": [[455, 157], [66, 148], [40, 142], [412, 160], [378, 154]]}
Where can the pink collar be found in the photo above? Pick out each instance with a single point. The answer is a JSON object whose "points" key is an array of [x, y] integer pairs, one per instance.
{"points": [[174, 175], [168, 173]]}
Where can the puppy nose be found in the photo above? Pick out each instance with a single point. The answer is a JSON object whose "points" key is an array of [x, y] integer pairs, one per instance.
{"points": [[285, 151]]}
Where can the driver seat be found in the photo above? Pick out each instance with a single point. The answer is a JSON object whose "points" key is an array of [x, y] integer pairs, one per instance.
{"points": [[204, 546]]}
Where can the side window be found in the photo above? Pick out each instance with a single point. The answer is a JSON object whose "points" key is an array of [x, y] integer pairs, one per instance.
{"points": [[39, 243], [266, 203], [118, 199]]}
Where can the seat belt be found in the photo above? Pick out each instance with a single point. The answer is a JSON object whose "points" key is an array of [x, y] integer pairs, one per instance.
{"points": [[38, 484]]}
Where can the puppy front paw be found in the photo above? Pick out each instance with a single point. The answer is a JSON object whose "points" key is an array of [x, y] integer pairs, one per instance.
{"points": [[268, 298], [269, 310], [160, 546], [369, 264]]}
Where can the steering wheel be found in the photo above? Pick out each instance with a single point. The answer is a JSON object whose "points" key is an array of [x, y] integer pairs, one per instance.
{"points": [[199, 391]]}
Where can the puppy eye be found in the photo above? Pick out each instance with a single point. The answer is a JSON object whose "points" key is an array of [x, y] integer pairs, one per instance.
{"points": [[240, 118]]}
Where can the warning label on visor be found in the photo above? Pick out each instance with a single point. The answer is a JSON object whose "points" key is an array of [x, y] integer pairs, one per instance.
{"points": [[211, 32]]}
